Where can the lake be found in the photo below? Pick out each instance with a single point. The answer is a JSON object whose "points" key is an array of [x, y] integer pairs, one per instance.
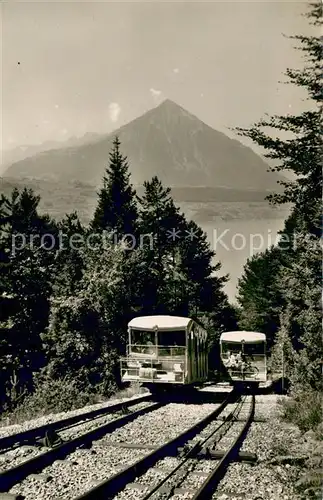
{"points": [[234, 241]]}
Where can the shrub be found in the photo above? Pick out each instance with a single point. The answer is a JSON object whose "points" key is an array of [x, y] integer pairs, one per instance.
{"points": [[52, 396], [304, 408]]}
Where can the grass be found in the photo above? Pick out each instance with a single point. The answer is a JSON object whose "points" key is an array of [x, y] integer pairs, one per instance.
{"points": [[304, 408], [57, 396], [134, 389], [51, 396]]}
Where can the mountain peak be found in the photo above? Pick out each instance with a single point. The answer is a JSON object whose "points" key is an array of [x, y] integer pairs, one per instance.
{"points": [[166, 141], [170, 105], [168, 102]]}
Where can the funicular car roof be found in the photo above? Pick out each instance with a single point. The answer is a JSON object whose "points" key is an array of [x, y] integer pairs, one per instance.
{"points": [[162, 322], [243, 336]]}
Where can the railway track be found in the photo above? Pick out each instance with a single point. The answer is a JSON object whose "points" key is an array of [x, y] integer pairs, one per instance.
{"points": [[37, 433], [112, 444], [199, 469], [13, 475], [109, 488], [193, 473], [198, 459]]}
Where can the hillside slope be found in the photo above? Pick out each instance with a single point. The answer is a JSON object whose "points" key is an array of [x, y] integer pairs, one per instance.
{"points": [[166, 141]]}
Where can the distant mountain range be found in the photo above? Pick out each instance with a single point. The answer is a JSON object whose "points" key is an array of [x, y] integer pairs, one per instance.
{"points": [[166, 141], [10, 156]]}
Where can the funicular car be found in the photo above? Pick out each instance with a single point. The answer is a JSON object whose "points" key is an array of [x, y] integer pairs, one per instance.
{"points": [[243, 355], [165, 349]]}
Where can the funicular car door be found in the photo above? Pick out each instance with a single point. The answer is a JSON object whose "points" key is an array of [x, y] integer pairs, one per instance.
{"points": [[191, 352], [198, 354]]}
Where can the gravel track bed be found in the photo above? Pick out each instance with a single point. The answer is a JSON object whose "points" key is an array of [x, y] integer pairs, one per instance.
{"points": [[12, 458], [55, 417], [213, 426], [261, 481], [151, 478], [173, 419], [242, 481], [266, 406], [82, 469], [78, 473]]}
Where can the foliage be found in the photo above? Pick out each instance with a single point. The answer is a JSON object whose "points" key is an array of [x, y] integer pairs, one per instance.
{"points": [[293, 299], [158, 218], [300, 154], [301, 285], [83, 337], [52, 396], [304, 409], [259, 296], [116, 208], [68, 258], [26, 275]]}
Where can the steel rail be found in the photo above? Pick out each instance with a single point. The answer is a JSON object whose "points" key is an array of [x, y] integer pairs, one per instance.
{"points": [[107, 489], [207, 489], [16, 474], [191, 453], [39, 432]]}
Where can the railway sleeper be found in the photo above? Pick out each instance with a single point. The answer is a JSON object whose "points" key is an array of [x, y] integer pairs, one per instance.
{"points": [[237, 419], [11, 496], [130, 445], [242, 456], [206, 453]]}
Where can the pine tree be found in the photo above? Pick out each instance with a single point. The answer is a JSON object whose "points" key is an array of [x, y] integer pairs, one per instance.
{"points": [[301, 154], [116, 210], [300, 270], [301, 286], [68, 261], [203, 286], [27, 243], [177, 274], [259, 294], [159, 225]]}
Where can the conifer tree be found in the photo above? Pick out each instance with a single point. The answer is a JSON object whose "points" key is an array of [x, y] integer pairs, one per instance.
{"points": [[301, 154], [69, 262], [204, 287], [27, 243], [159, 222], [259, 293], [116, 210], [299, 273]]}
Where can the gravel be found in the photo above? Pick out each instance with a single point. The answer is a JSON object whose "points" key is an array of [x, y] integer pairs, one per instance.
{"points": [[192, 474], [163, 424], [78, 473], [55, 417], [263, 481], [85, 468], [14, 457]]}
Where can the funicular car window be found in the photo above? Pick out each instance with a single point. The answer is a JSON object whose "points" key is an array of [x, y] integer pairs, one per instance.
{"points": [[171, 343], [142, 340], [231, 347], [172, 338], [258, 348]]}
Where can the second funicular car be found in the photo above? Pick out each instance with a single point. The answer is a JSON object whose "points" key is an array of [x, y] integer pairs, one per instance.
{"points": [[243, 355]]}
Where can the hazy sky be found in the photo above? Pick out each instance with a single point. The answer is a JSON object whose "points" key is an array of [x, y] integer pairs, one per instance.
{"points": [[74, 67]]}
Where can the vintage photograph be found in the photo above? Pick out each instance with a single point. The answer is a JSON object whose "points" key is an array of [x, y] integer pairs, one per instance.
{"points": [[160, 250]]}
